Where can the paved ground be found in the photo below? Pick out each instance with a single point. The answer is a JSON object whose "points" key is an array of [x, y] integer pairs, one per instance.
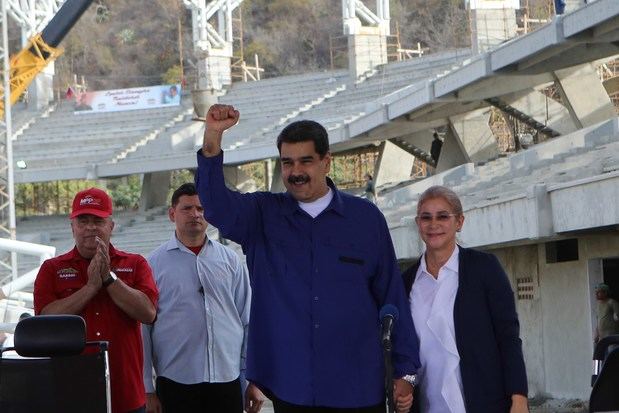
{"points": [[557, 406], [537, 406]]}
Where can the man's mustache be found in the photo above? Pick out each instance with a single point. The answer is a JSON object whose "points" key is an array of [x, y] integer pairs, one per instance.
{"points": [[298, 179]]}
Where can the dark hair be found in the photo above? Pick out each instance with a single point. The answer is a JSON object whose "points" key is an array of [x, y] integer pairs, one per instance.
{"points": [[185, 189], [174, 88], [303, 131]]}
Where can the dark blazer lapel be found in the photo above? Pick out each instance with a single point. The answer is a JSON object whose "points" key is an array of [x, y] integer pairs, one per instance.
{"points": [[409, 276]]}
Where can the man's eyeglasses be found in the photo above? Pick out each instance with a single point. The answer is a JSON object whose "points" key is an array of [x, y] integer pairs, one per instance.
{"points": [[426, 218]]}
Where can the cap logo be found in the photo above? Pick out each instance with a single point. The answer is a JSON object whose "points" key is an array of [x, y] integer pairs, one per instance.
{"points": [[89, 200]]}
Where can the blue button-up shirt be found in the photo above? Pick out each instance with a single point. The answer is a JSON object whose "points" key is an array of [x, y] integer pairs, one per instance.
{"points": [[200, 333], [317, 287]]}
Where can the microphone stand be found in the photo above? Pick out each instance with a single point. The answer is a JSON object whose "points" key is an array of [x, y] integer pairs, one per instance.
{"points": [[388, 374]]}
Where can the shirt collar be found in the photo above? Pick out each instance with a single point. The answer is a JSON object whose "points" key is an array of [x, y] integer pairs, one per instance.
{"points": [[174, 243], [336, 204], [452, 263]]}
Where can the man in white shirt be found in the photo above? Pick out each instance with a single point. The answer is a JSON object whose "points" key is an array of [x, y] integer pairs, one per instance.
{"points": [[197, 344]]}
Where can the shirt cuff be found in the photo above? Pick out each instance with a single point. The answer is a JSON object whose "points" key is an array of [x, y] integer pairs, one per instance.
{"points": [[205, 161]]}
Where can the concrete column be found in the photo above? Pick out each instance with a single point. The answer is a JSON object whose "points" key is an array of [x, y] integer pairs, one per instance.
{"points": [[492, 23], [41, 90], [366, 50], [473, 139], [584, 95], [452, 152], [571, 5], [214, 70], [202, 100], [237, 179], [155, 188], [277, 185], [393, 164], [268, 173]]}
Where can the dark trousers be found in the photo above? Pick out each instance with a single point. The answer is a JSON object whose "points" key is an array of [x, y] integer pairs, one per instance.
{"points": [[281, 406], [199, 398]]}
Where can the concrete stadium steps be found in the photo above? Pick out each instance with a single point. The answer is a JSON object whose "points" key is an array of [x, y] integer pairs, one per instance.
{"points": [[64, 138], [262, 104], [266, 106], [351, 101]]}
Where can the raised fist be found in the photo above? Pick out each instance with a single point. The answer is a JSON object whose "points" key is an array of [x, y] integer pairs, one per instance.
{"points": [[221, 117]]}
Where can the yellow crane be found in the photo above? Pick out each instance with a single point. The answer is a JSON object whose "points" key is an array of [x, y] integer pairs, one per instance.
{"points": [[41, 49]]}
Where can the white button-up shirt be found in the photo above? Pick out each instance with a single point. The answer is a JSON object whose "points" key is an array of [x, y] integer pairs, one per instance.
{"points": [[200, 334], [432, 306]]}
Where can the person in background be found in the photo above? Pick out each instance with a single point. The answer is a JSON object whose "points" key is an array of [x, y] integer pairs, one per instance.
{"points": [[112, 290], [197, 344], [465, 317], [607, 313], [435, 149]]}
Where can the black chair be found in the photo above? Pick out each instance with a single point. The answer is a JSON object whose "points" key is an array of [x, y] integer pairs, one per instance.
{"points": [[605, 379], [57, 371]]}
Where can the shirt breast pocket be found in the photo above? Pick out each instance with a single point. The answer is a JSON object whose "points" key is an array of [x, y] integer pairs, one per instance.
{"points": [[351, 263]]}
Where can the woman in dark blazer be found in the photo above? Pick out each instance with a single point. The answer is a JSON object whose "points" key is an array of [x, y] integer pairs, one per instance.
{"points": [[465, 317]]}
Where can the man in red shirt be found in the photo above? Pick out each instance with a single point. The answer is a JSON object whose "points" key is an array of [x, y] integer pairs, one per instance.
{"points": [[112, 290]]}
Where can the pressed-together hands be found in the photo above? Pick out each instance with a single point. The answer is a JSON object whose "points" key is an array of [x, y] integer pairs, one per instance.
{"points": [[99, 267]]}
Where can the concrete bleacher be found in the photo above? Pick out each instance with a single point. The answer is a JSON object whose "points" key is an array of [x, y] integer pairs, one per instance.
{"points": [[329, 97], [351, 100], [64, 138]]}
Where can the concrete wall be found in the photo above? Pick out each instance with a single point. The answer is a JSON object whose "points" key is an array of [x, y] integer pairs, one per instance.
{"points": [[557, 323], [366, 50], [522, 262], [491, 27]]}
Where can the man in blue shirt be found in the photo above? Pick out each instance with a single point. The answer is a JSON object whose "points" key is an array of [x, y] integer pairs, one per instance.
{"points": [[321, 266], [196, 346]]}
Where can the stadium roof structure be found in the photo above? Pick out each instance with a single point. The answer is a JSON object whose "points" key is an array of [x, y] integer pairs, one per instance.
{"points": [[544, 192], [394, 100]]}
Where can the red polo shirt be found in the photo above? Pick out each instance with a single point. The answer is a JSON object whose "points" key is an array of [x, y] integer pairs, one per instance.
{"points": [[61, 276]]}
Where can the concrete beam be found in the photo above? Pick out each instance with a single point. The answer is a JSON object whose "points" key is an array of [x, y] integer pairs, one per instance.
{"points": [[543, 109], [584, 95], [277, 185], [237, 179], [474, 135], [394, 164], [452, 152], [501, 84]]}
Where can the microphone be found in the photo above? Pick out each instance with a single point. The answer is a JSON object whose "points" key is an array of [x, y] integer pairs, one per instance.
{"points": [[388, 316]]}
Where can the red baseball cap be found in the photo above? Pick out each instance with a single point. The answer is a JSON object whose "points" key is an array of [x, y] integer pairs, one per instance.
{"points": [[92, 201]]}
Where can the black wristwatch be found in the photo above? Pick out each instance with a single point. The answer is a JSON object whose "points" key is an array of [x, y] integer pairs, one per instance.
{"points": [[109, 280]]}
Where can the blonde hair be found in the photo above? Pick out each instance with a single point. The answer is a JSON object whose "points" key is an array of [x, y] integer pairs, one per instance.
{"points": [[441, 192]]}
